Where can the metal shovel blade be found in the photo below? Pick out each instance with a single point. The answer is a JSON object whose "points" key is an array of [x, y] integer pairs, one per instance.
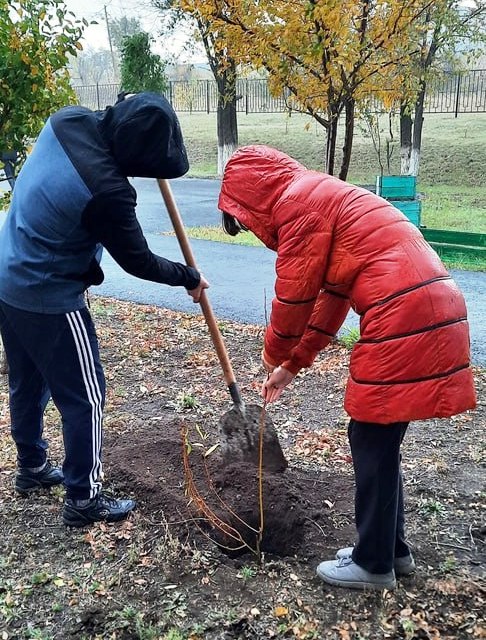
{"points": [[240, 438]]}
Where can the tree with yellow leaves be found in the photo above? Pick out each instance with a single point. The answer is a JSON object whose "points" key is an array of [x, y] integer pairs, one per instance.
{"points": [[222, 64], [329, 55]]}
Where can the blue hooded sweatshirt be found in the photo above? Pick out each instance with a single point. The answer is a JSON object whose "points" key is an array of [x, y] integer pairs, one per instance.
{"points": [[72, 197]]}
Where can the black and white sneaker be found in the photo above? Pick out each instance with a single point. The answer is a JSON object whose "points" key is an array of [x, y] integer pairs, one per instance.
{"points": [[27, 481], [101, 508]]}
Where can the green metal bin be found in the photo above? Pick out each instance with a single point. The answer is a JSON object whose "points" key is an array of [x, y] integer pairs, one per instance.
{"points": [[396, 187], [411, 208]]}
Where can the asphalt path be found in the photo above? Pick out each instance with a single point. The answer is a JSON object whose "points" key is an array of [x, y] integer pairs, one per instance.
{"points": [[241, 278]]}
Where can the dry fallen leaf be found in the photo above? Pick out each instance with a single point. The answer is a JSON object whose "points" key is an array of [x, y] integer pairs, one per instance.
{"points": [[211, 450]]}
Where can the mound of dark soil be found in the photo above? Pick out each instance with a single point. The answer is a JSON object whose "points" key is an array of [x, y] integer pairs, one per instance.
{"points": [[221, 500]]}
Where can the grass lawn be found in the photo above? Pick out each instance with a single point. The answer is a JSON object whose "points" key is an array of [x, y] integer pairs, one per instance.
{"points": [[452, 177]]}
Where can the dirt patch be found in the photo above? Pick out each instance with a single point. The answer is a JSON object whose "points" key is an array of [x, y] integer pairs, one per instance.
{"points": [[293, 507], [167, 572]]}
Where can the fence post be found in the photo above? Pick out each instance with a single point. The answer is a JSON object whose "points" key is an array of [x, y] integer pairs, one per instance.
{"points": [[246, 96], [458, 89], [98, 95], [171, 97], [208, 101]]}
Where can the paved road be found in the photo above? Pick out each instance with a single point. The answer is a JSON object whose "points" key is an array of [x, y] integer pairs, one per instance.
{"points": [[241, 277]]}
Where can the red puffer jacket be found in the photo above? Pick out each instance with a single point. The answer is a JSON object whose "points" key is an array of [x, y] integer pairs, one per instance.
{"points": [[339, 246]]}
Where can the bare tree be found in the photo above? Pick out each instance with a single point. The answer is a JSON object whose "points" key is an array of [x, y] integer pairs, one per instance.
{"points": [[122, 27], [93, 66]]}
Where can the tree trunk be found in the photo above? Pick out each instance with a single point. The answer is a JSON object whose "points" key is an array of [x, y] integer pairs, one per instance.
{"points": [[224, 72], [348, 138], [331, 143], [227, 120], [406, 124], [417, 132], [3, 360]]}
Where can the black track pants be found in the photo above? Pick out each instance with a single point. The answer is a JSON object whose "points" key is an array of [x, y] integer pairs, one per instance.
{"points": [[379, 510], [57, 355]]}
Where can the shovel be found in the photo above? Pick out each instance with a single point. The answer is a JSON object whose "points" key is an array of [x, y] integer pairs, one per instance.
{"points": [[240, 426]]}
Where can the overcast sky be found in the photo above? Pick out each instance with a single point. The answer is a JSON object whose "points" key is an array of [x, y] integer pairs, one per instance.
{"points": [[96, 36]]}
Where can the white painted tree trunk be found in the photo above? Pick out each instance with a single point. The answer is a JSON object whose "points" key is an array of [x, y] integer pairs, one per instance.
{"points": [[3, 359], [409, 161], [225, 152], [405, 153], [414, 162]]}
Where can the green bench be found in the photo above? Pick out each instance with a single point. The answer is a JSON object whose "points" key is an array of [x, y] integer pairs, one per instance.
{"points": [[453, 243]]}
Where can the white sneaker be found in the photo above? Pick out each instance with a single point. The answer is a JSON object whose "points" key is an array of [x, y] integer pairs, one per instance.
{"points": [[403, 566], [346, 573]]}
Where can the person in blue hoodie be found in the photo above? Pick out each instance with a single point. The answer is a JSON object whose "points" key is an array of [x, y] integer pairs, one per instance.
{"points": [[72, 197]]}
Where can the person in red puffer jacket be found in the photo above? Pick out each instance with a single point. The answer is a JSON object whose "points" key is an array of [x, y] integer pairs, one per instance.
{"points": [[339, 247]]}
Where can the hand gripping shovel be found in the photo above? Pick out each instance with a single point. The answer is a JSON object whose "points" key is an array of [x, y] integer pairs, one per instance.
{"points": [[240, 426]]}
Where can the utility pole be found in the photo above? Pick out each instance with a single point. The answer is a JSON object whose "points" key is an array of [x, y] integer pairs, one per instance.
{"points": [[115, 74]]}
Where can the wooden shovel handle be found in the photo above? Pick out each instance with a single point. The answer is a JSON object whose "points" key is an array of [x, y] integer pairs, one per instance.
{"points": [[207, 310]]}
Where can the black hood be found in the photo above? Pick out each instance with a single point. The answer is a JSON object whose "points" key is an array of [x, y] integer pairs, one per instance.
{"points": [[144, 136]]}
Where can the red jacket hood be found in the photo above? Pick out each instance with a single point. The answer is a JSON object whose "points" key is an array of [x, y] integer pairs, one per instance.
{"points": [[254, 180]]}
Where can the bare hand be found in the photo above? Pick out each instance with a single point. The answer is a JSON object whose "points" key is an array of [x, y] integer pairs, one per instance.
{"points": [[277, 381], [196, 293]]}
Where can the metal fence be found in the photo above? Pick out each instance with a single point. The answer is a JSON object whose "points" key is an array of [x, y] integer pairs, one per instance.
{"points": [[457, 93], [453, 93]]}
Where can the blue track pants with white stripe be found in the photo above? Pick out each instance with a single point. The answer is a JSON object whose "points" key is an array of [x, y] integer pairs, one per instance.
{"points": [[56, 354]]}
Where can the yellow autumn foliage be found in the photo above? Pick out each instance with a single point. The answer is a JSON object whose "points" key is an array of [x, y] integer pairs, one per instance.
{"points": [[325, 51]]}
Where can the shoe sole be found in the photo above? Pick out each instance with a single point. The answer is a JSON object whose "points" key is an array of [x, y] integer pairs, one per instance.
{"points": [[25, 491], [402, 571], [356, 585], [85, 522]]}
